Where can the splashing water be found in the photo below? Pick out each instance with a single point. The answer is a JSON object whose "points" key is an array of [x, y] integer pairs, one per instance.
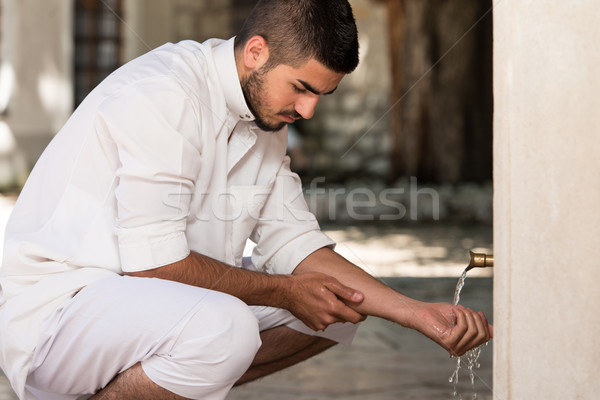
{"points": [[472, 355]]}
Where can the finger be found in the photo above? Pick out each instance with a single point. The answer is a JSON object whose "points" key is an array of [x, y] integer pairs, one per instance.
{"points": [[323, 320], [460, 325], [312, 325], [469, 335], [329, 318], [490, 328], [482, 334], [485, 325], [344, 292], [479, 335], [347, 314], [458, 330]]}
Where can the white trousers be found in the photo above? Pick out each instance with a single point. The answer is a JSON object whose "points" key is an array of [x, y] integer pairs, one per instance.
{"points": [[191, 341]]}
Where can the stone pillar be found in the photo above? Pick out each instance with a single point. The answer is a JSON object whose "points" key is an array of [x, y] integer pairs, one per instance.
{"points": [[148, 24], [547, 195], [36, 93]]}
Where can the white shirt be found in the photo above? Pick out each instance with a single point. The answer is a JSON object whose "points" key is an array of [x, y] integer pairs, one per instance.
{"points": [[160, 159]]}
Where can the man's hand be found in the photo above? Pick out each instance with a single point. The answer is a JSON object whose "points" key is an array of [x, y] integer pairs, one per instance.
{"points": [[320, 300], [456, 328]]}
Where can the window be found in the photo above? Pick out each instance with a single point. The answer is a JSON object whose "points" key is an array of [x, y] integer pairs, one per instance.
{"points": [[98, 43]]}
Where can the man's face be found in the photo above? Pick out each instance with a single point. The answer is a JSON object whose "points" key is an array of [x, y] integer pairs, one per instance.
{"points": [[285, 94]]}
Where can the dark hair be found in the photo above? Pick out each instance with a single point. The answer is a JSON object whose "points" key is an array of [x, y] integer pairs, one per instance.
{"points": [[297, 30]]}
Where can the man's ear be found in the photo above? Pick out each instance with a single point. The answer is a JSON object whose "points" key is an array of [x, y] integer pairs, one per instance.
{"points": [[256, 53]]}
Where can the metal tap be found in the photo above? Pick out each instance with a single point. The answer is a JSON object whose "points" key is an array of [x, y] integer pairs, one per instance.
{"points": [[480, 260]]}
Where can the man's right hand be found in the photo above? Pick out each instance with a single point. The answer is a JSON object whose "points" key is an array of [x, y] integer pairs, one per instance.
{"points": [[320, 300], [456, 328]]}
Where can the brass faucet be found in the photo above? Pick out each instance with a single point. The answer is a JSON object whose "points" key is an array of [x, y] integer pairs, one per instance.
{"points": [[480, 260]]}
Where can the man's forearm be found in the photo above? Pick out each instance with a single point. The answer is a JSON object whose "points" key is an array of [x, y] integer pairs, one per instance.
{"points": [[254, 288], [456, 329], [379, 299]]}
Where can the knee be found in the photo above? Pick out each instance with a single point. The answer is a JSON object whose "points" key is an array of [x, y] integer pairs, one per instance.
{"points": [[235, 336], [239, 336], [221, 339], [214, 349]]}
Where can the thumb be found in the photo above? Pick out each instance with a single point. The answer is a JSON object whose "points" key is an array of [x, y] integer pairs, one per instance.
{"points": [[344, 292]]}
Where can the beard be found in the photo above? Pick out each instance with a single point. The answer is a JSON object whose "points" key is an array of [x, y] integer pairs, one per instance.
{"points": [[253, 90]]}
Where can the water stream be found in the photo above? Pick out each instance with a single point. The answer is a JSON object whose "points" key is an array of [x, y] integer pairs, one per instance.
{"points": [[472, 355]]}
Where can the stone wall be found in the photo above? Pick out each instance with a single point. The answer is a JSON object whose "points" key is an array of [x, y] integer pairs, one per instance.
{"points": [[546, 222]]}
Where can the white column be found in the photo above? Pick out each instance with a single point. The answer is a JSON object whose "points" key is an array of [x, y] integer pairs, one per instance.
{"points": [[36, 94], [148, 24], [547, 199]]}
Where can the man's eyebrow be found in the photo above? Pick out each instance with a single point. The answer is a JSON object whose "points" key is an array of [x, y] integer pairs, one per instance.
{"points": [[311, 89]]}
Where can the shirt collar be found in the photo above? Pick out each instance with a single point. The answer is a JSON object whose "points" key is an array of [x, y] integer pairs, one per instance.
{"points": [[230, 82]]}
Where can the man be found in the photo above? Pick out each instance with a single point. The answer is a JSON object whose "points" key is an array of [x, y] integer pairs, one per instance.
{"points": [[123, 275]]}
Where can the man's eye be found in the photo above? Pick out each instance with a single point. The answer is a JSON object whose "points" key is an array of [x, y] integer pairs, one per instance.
{"points": [[298, 89]]}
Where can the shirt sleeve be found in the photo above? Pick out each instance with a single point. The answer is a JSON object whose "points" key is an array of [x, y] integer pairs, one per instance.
{"points": [[287, 232], [151, 124]]}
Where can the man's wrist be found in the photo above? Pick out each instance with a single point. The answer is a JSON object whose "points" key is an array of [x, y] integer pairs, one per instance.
{"points": [[282, 290]]}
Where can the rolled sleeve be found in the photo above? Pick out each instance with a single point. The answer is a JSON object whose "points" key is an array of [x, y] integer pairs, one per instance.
{"points": [[287, 232], [287, 258], [170, 248], [157, 172]]}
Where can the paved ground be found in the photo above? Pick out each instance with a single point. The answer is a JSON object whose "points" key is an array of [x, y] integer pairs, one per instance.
{"points": [[387, 361]]}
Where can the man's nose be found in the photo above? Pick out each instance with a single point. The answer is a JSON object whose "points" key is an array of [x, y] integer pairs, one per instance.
{"points": [[306, 106]]}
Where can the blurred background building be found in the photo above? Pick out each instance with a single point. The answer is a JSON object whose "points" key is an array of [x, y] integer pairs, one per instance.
{"points": [[417, 109], [406, 137], [413, 122]]}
